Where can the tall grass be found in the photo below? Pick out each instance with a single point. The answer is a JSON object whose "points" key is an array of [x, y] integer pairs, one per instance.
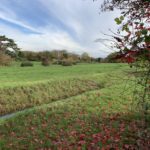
{"points": [[21, 97]]}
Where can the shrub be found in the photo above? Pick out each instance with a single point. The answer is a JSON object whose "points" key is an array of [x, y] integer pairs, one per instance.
{"points": [[67, 63], [5, 60], [45, 62], [26, 64]]}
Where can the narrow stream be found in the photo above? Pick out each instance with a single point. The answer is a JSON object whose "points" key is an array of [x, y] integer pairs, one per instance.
{"points": [[7, 116]]}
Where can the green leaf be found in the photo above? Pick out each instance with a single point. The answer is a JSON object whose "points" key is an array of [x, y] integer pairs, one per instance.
{"points": [[136, 23], [144, 32], [118, 21], [121, 18], [147, 39], [125, 28]]}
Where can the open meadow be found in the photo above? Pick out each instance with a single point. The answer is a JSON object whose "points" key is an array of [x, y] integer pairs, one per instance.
{"points": [[86, 106], [75, 75]]}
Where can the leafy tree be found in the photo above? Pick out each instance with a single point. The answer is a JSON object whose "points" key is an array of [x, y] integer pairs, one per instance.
{"points": [[111, 58], [8, 46], [133, 42], [99, 59], [65, 54], [8, 50], [85, 57]]}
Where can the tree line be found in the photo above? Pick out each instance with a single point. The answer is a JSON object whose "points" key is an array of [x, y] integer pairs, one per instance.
{"points": [[9, 52], [54, 55]]}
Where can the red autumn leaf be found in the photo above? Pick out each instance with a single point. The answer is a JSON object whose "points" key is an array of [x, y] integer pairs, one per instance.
{"points": [[82, 136], [82, 142], [130, 59]]}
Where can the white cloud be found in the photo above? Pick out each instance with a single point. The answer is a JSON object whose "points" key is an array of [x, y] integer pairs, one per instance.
{"points": [[81, 17], [50, 40], [4, 17], [9, 16]]}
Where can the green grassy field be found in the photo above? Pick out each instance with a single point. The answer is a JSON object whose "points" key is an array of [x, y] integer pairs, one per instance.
{"points": [[87, 106], [15, 75]]}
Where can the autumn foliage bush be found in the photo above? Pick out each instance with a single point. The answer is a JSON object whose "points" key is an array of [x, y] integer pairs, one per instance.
{"points": [[5, 60]]}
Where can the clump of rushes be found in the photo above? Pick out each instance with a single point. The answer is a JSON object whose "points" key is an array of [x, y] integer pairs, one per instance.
{"points": [[26, 64], [19, 98]]}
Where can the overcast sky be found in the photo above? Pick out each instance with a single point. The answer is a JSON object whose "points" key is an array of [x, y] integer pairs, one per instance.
{"points": [[56, 24]]}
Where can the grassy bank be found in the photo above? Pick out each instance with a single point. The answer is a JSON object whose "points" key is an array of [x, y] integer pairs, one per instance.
{"points": [[22, 97], [58, 83]]}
